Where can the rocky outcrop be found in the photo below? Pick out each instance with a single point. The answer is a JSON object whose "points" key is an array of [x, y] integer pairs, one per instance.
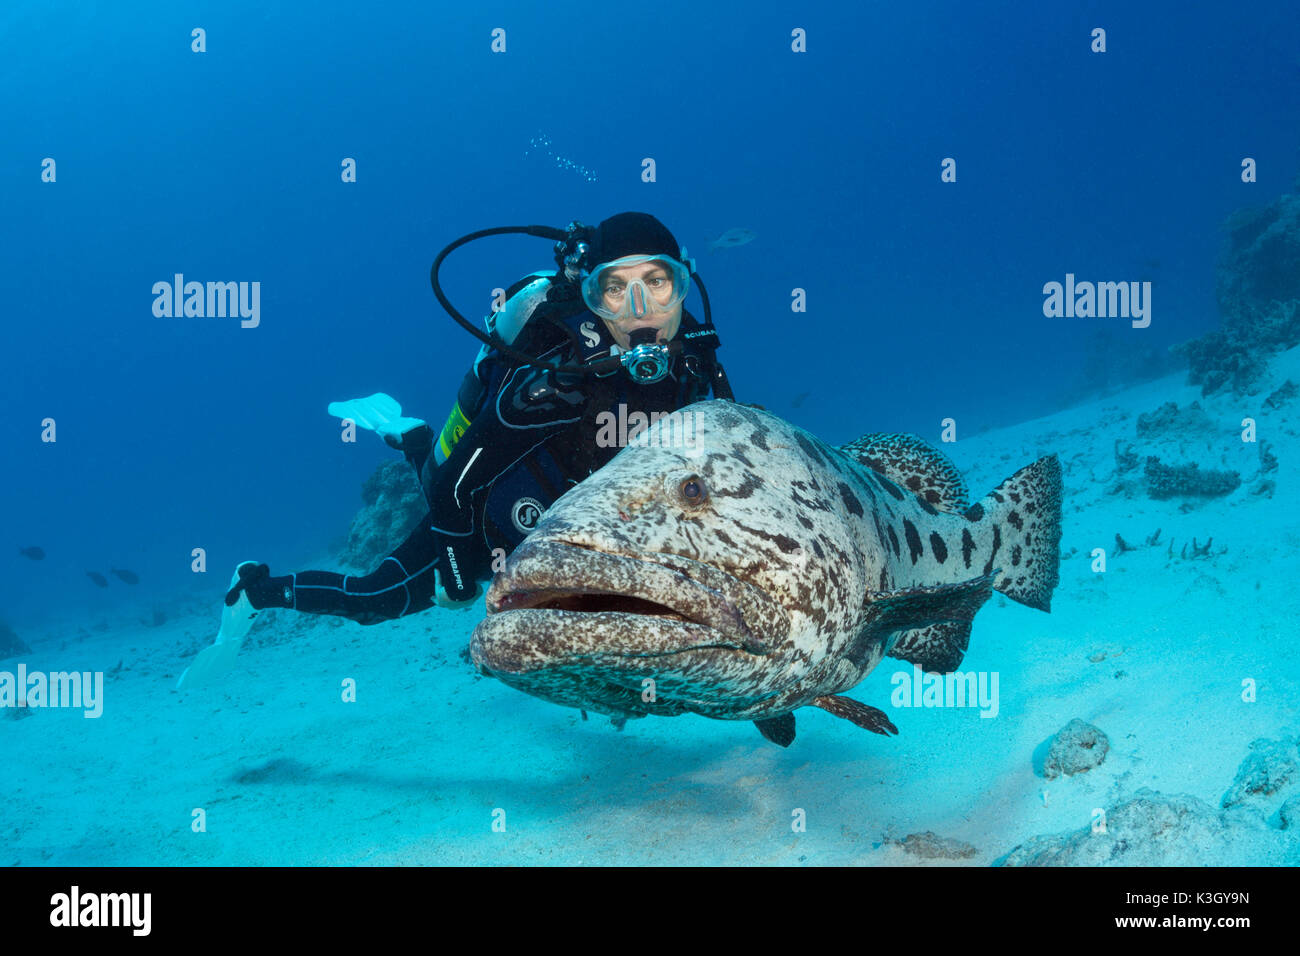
{"points": [[1258, 289], [392, 503], [1270, 767], [1153, 829], [1258, 823], [1186, 454]]}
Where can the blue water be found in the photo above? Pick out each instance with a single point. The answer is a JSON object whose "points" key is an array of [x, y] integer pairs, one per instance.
{"points": [[924, 297]]}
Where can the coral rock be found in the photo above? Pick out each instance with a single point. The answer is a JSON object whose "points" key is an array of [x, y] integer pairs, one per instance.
{"points": [[931, 846], [1270, 767], [1158, 830], [1188, 480], [394, 502], [1076, 748]]}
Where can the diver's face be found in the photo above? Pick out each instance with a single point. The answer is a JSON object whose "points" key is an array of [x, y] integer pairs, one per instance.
{"points": [[659, 281]]}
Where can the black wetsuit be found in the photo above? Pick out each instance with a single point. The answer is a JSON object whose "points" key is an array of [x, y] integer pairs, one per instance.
{"points": [[533, 436]]}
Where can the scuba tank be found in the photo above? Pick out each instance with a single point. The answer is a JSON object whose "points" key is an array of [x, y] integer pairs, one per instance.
{"points": [[522, 300]]}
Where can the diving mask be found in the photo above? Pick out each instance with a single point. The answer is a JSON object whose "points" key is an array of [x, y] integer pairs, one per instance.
{"points": [[619, 290]]}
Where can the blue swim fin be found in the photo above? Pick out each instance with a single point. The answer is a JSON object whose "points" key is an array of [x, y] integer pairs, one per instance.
{"points": [[218, 658], [380, 414]]}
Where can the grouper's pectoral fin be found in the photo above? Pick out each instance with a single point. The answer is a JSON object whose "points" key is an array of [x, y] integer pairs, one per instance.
{"points": [[936, 647], [933, 623], [865, 716], [779, 730]]}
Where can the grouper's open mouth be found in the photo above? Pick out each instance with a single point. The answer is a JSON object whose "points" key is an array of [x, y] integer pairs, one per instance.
{"points": [[558, 603]]}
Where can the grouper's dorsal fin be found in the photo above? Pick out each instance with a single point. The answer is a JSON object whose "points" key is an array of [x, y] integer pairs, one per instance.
{"points": [[779, 730], [910, 463], [932, 623]]}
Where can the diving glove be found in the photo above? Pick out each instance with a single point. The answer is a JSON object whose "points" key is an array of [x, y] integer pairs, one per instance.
{"points": [[263, 590], [443, 596]]}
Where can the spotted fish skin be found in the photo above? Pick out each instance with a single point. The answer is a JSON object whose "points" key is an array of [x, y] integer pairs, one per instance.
{"points": [[760, 570]]}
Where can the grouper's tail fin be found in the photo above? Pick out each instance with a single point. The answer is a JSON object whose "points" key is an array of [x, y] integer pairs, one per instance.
{"points": [[1020, 522]]}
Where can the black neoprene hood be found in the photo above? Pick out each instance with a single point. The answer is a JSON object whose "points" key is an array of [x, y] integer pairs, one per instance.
{"points": [[632, 234]]}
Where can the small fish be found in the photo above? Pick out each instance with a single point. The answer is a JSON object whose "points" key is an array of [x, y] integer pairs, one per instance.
{"points": [[760, 571], [35, 553], [97, 578], [130, 577], [732, 238], [799, 399]]}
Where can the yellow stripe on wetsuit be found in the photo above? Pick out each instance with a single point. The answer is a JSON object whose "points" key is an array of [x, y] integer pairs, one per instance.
{"points": [[456, 425]]}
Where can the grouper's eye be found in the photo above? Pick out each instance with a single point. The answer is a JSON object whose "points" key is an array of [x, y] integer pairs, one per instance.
{"points": [[692, 491]]}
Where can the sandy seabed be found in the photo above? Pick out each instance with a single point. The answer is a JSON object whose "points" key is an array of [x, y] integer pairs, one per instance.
{"points": [[434, 765]]}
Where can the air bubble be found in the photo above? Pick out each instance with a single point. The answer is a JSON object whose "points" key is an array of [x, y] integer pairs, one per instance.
{"points": [[541, 143]]}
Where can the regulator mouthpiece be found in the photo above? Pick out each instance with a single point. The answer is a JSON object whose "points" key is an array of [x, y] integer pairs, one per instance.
{"points": [[647, 360]]}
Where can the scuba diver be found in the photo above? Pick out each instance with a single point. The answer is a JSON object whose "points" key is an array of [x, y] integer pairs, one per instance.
{"points": [[606, 328]]}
